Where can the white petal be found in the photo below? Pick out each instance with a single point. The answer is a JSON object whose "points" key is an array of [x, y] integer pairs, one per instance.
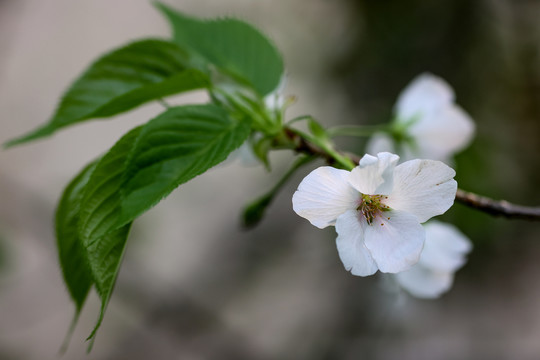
{"points": [[424, 283], [445, 248], [424, 94], [424, 188], [323, 195], [395, 240], [368, 159], [444, 132], [379, 142], [449, 236], [350, 244], [374, 176]]}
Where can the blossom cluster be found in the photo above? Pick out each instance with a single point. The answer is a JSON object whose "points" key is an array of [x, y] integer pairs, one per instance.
{"points": [[380, 208]]}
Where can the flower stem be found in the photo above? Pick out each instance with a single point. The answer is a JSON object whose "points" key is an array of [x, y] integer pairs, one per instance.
{"points": [[310, 145], [355, 130]]}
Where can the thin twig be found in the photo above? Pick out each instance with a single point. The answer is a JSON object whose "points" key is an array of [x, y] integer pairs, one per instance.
{"points": [[303, 146], [498, 207]]}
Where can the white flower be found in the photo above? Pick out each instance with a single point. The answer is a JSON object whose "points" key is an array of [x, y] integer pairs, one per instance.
{"points": [[377, 208], [428, 124], [444, 253]]}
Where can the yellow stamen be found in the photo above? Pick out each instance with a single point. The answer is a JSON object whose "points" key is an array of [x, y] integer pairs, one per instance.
{"points": [[371, 206]]}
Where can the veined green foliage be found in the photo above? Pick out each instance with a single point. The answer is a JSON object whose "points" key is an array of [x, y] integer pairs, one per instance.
{"points": [[97, 208], [100, 206], [71, 252], [151, 161], [104, 253], [105, 257], [233, 46], [122, 80], [86, 263]]}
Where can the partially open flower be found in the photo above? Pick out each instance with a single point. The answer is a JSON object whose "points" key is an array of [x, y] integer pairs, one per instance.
{"points": [[377, 208], [444, 253], [428, 123]]}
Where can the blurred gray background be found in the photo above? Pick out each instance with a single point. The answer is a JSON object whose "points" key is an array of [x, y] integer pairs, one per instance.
{"points": [[194, 285]]}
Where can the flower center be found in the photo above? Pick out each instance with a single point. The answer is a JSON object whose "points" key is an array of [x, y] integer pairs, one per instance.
{"points": [[371, 206]]}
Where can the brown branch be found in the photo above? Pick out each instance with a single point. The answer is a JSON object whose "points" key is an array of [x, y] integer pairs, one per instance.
{"points": [[482, 203], [498, 207], [303, 146]]}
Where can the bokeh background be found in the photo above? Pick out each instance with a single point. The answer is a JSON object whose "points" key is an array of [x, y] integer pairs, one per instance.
{"points": [[194, 284]]}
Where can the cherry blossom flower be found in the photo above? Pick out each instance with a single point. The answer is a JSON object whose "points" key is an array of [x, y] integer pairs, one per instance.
{"points": [[428, 124], [444, 253], [377, 208]]}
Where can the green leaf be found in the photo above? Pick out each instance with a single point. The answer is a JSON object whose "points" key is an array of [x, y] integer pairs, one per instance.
{"points": [[122, 80], [150, 162], [233, 46], [71, 252], [102, 199], [90, 261], [86, 263], [105, 257]]}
